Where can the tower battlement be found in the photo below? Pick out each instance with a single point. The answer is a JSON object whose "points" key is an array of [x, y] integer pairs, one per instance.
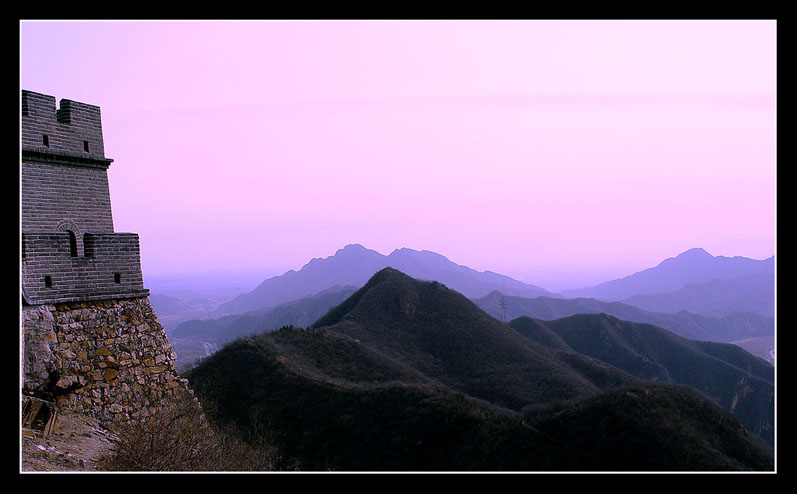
{"points": [[74, 128]]}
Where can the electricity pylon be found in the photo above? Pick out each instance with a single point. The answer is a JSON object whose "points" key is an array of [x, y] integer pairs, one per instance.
{"points": [[502, 305]]}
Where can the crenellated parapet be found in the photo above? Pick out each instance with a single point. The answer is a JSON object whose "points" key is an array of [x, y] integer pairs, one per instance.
{"points": [[55, 269], [72, 129]]}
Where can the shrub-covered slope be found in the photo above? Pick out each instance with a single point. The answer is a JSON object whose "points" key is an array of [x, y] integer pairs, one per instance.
{"points": [[408, 375], [444, 335], [737, 380]]}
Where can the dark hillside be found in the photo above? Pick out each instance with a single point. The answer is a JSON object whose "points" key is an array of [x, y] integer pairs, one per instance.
{"points": [[378, 421], [737, 380], [408, 375], [444, 335], [647, 428], [375, 422]]}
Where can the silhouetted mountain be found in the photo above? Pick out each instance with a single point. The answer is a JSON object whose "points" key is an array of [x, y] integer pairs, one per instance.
{"points": [[692, 266], [354, 264], [411, 375], [728, 328], [754, 293], [302, 312], [738, 381]]}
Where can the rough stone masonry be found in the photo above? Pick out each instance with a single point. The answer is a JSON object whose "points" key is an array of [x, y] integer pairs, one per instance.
{"points": [[87, 325]]}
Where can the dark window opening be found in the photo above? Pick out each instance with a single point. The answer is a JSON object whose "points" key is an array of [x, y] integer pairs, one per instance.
{"points": [[117, 278], [48, 281], [86, 146], [45, 140], [72, 244], [88, 245]]}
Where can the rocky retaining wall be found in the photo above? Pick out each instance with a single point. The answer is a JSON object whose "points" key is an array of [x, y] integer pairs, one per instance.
{"points": [[115, 352]]}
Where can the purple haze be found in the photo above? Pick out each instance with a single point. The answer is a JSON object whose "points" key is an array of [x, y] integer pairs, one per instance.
{"points": [[561, 153]]}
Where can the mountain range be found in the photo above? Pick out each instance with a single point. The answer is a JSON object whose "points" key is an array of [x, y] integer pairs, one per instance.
{"points": [[412, 375], [690, 267], [730, 327], [353, 265], [753, 293], [694, 281], [301, 312], [734, 305]]}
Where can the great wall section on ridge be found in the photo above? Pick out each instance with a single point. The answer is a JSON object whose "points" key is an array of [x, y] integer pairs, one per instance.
{"points": [[90, 341]]}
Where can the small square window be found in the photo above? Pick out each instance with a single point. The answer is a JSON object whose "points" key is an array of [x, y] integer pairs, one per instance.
{"points": [[86, 146], [48, 281], [45, 140], [117, 278]]}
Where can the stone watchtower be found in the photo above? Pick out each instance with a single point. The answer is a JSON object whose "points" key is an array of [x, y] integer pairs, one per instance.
{"points": [[69, 249], [86, 319]]}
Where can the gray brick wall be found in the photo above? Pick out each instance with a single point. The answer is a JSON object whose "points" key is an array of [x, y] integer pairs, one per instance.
{"points": [[65, 189], [93, 277], [52, 193]]}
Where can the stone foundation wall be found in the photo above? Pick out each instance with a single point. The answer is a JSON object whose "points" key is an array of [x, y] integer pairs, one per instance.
{"points": [[115, 349]]}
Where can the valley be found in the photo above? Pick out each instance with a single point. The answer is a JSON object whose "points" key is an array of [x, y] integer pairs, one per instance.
{"points": [[762, 347]]}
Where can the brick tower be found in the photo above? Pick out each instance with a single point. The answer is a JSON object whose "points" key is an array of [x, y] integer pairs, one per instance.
{"points": [[87, 324], [70, 251]]}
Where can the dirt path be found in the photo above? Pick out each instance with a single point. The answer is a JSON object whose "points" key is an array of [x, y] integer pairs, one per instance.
{"points": [[76, 444]]}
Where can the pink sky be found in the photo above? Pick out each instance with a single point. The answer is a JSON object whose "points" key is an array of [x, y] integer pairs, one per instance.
{"points": [[562, 153]]}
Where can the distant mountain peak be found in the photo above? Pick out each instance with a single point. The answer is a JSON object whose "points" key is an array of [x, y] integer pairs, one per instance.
{"points": [[407, 251], [351, 248], [691, 266], [694, 253]]}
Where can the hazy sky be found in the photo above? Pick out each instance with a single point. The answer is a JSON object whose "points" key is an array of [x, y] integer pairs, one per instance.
{"points": [[562, 153]]}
